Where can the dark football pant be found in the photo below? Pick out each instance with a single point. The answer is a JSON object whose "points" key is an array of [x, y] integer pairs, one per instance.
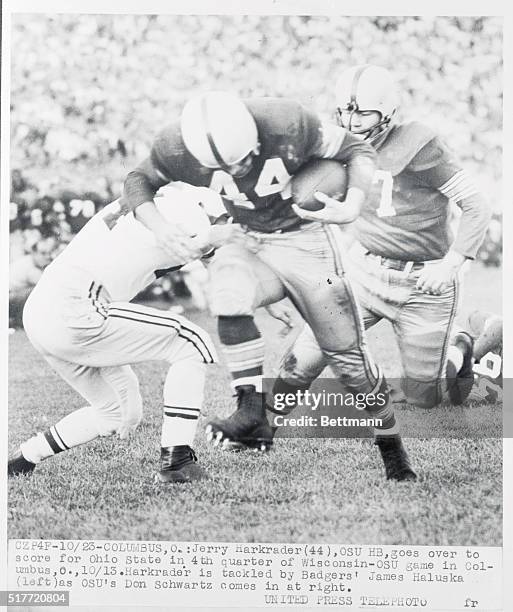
{"points": [[422, 325], [304, 265]]}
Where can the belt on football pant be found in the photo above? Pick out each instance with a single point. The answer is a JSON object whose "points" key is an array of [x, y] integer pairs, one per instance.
{"points": [[400, 265], [397, 264], [282, 230]]}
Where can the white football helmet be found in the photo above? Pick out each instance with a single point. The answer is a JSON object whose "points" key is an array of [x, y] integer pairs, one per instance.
{"points": [[218, 129], [367, 88]]}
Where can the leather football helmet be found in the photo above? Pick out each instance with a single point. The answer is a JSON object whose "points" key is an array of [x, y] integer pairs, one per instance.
{"points": [[218, 129], [367, 89]]}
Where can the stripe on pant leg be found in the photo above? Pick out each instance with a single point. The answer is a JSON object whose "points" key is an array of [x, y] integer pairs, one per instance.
{"points": [[183, 331], [185, 325], [99, 307], [452, 316], [339, 268], [168, 325], [373, 376]]}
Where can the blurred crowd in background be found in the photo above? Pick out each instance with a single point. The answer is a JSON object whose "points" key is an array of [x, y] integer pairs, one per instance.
{"points": [[89, 92]]}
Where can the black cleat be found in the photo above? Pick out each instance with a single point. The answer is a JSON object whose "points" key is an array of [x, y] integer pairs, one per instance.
{"points": [[459, 384], [17, 465], [245, 428], [179, 464], [395, 458]]}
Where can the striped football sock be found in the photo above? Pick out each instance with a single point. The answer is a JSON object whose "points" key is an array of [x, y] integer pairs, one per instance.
{"points": [[183, 398], [179, 426], [74, 429], [243, 349]]}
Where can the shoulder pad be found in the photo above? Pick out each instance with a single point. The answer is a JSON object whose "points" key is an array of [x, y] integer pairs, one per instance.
{"points": [[402, 145], [276, 115]]}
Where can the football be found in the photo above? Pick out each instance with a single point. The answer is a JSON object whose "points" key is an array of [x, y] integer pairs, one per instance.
{"points": [[326, 175]]}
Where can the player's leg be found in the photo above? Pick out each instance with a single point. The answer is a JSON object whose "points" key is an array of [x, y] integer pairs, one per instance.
{"points": [[183, 399], [308, 262], [143, 333], [239, 283], [486, 329], [459, 371], [129, 333], [105, 390], [423, 331], [302, 363]]}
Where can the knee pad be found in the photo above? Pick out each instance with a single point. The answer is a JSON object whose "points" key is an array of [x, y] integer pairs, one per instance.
{"points": [[232, 289], [301, 367]]}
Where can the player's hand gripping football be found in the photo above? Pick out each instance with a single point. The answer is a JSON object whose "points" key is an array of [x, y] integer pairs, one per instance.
{"points": [[333, 211]]}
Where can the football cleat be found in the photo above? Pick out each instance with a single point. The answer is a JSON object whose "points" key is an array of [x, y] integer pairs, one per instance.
{"points": [[459, 384], [18, 465], [179, 464], [395, 458], [247, 427]]}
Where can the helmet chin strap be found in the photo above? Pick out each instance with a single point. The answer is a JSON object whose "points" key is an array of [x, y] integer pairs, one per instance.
{"points": [[370, 134], [377, 129], [378, 133]]}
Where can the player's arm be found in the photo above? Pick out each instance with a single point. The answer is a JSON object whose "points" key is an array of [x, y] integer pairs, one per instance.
{"points": [[436, 168], [334, 142], [221, 231], [140, 187]]}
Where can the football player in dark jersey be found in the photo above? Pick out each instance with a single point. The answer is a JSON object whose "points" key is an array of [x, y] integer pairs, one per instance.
{"points": [[405, 261], [248, 150]]}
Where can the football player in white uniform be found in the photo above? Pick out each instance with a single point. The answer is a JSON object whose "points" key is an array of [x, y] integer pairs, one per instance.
{"points": [[79, 317]]}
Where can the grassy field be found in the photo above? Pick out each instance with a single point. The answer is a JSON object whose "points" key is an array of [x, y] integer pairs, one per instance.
{"points": [[303, 491]]}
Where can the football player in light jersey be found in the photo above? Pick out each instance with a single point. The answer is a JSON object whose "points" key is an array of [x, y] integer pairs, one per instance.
{"points": [[79, 317], [247, 151], [405, 262]]}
